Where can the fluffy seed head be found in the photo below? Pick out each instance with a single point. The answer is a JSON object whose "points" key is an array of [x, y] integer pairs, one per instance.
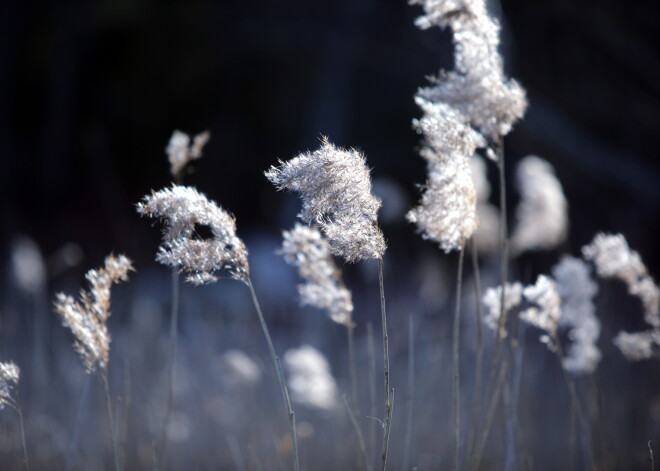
{"points": [[543, 211], [447, 211], [492, 300], [310, 381], [306, 248], [87, 317], [577, 290], [638, 345], [9, 376], [335, 188], [179, 150], [545, 305], [613, 258], [184, 210], [478, 87]]}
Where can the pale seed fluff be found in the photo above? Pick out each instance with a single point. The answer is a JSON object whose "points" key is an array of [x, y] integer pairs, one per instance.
{"points": [[577, 290], [310, 382], [87, 317], [307, 249], [542, 214], [9, 376], [637, 346], [477, 87], [492, 299], [335, 187], [447, 211], [180, 151], [544, 305], [185, 211], [613, 258]]}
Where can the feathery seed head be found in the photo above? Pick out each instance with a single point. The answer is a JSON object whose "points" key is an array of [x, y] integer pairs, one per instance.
{"points": [[477, 88], [179, 150], [306, 248], [543, 211], [492, 300], [544, 311], [335, 188], [87, 317], [638, 345], [447, 211], [183, 208], [310, 380], [9, 376], [613, 258], [577, 290]]}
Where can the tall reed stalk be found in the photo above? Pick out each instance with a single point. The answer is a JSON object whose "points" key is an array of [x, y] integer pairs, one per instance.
{"points": [[456, 361], [410, 393], [476, 405], [174, 321], [26, 463], [371, 347], [111, 420], [280, 375], [389, 392]]}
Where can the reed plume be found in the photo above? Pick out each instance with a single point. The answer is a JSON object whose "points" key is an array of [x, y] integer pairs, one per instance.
{"points": [[183, 209], [322, 287], [335, 188], [87, 317], [613, 258], [180, 151], [542, 214]]}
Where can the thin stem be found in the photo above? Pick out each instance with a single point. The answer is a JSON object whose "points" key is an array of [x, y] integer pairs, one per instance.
{"points": [[476, 408], [490, 415], [26, 464], [456, 361], [111, 420], [358, 432], [504, 265], [410, 393], [350, 328], [280, 375], [518, 349], [387, 423], [582, 420], [372, 384], [174, 319], [651, 456], [70, 456]]}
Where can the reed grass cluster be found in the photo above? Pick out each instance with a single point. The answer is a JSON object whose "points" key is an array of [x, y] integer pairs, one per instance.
{"points": [[459, 388]]}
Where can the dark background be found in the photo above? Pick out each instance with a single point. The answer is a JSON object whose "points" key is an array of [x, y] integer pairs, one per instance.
{"points": [[90, 93]]}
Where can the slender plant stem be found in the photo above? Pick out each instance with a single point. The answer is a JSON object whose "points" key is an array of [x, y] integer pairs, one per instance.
{"points": [[456, 361], [71, 453], [490, 415], [26, 464], [651, 456], [582, 420], [280, 376], [518, 349], [372, 384], [476, 408], [410, 393], [352, 368], [111, 420], [358, 432], [504, 266], [387, 422]]}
